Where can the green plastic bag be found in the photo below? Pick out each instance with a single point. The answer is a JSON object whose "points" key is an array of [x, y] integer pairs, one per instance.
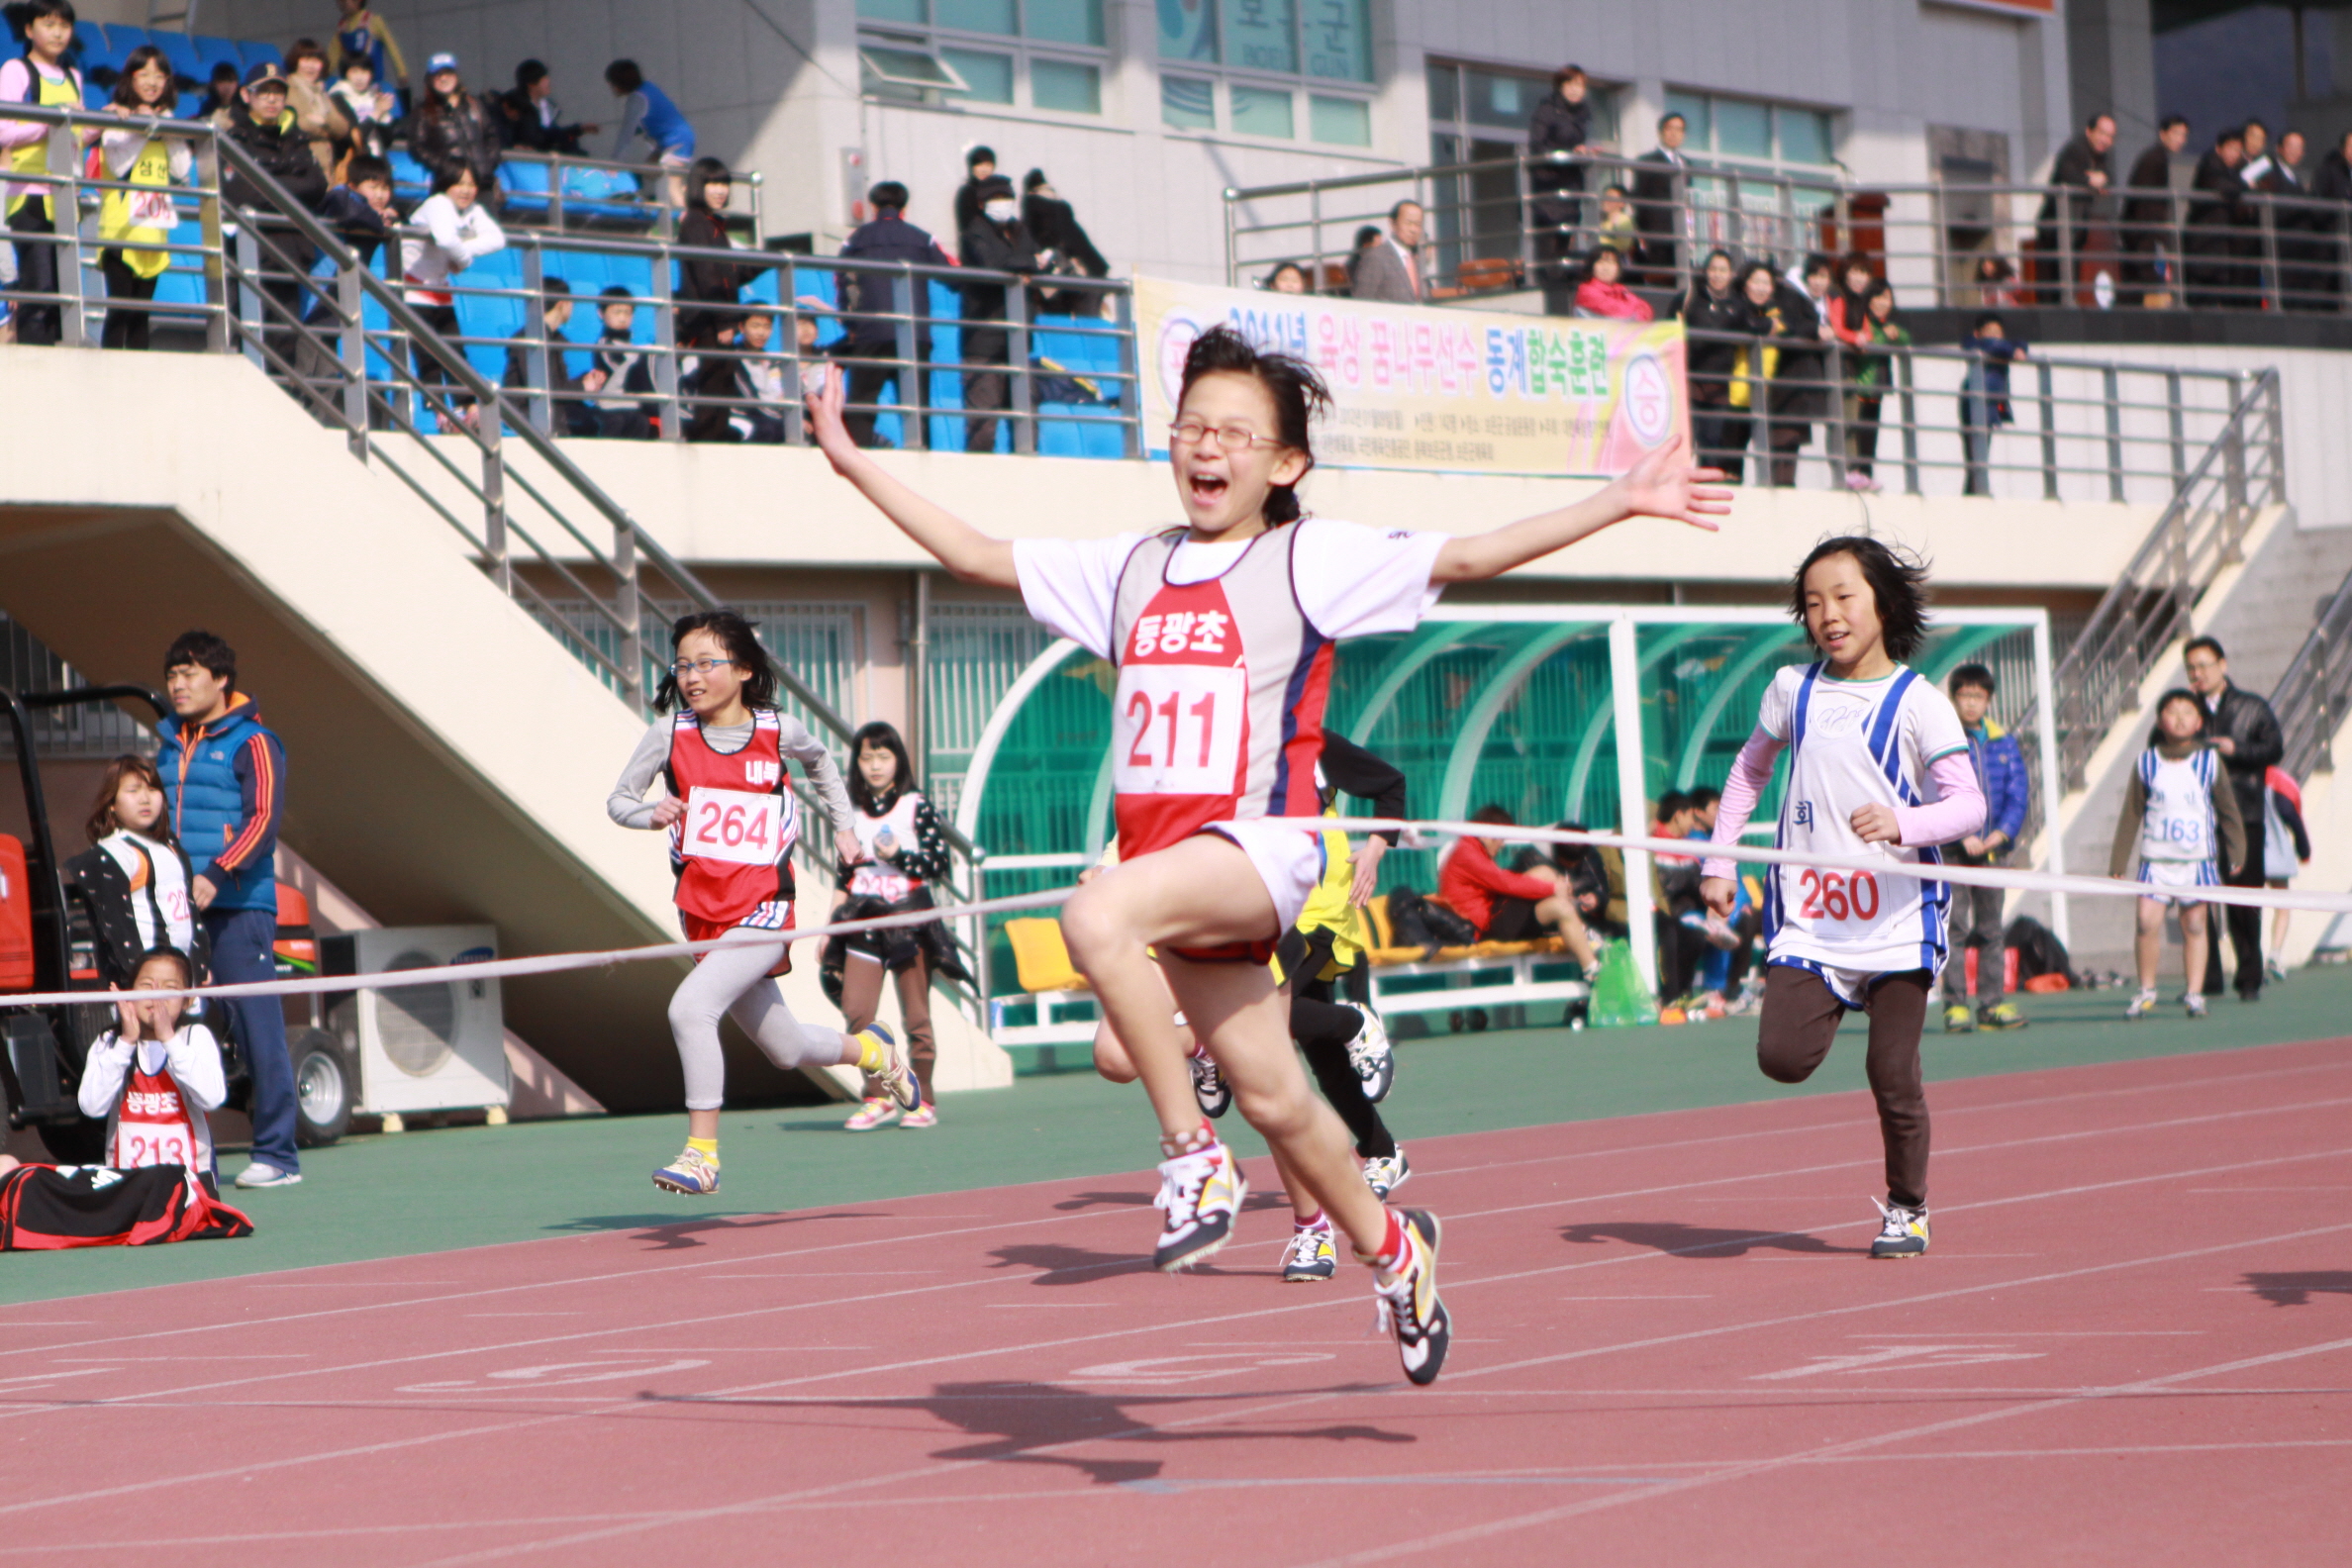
{"points": [[1620, 999]]}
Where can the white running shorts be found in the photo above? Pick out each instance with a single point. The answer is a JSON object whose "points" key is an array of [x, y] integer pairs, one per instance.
{"points": [[2176, 881]]}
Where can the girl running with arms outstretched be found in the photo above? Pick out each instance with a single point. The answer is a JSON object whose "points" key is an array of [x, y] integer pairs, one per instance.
{"points": [[1221, 632], [733, 822], [1878, 763]]}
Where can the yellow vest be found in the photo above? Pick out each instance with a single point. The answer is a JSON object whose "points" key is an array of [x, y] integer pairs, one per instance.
{"points": [[32, 156], [1328, 909], [142, 215]]}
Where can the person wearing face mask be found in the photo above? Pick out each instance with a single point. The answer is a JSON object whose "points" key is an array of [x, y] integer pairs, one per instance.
{"points": [[999, 242]]}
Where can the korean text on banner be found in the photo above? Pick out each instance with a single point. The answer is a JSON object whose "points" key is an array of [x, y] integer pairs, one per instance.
{"points": [[1425, 388]]}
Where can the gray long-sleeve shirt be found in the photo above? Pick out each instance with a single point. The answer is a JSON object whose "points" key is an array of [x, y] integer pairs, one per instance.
{"points": [[628, 806]]}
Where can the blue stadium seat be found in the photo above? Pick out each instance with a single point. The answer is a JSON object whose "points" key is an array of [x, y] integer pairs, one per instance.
{"points": [[217, 52], [411, 180], [491, 318], [180, 49], [94, 52], [254, 54]]}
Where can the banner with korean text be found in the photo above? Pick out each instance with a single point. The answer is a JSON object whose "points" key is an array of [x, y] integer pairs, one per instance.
{"points": [[1420, 387]]}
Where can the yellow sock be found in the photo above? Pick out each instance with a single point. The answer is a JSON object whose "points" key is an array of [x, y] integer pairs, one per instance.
{"points": [[873, 1055], [707, 1149]]}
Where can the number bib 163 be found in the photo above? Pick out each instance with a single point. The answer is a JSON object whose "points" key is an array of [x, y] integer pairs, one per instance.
{"points": [[732, 825], [1178, 728]]}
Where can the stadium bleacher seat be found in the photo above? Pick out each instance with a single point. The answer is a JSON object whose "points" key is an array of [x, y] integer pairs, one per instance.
{"points": [[253, 55], [412, 181]]}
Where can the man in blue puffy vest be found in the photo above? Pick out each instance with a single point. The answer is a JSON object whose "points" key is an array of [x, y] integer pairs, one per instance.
{"points": [[224, 785]]}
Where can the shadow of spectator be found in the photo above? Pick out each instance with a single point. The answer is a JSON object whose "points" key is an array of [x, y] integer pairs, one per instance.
{"points": [[1677, 1239], [2297, 1290]]}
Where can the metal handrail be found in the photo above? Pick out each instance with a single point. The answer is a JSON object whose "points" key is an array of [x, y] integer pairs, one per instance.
{"points": [[2251, 249], [2098, 680], [2311, 695]]}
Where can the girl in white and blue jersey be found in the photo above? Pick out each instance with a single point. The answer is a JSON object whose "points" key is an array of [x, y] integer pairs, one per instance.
{"points": [[1878, 769], [2180, 819]]}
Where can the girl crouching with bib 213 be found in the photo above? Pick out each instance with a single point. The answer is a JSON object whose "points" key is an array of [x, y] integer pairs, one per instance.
{"points": [[1877, 767], [733, 821], [906, 856]]}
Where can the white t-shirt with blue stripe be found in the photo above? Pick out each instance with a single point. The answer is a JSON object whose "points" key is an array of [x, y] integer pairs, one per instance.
{"points": [[1851, 745]]}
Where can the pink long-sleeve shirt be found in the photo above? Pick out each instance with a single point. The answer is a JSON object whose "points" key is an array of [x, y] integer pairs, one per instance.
{"points": [[1957, 811]]}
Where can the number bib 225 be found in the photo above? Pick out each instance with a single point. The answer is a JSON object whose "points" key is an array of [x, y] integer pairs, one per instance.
{"points": [[732, 825], [1178, 728]]}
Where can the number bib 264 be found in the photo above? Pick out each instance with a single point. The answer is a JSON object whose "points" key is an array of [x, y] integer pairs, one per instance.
{"points": [[1178, 728], [732, 825]]}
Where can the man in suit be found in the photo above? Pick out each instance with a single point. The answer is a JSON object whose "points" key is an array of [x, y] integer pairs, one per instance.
{"points": [[1391, 269], [2244, 730], [2078, 177], [2148, 227], [1658, 192]]}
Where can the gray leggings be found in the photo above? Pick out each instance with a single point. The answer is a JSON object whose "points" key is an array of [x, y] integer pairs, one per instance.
{"points": [[735, 980]]}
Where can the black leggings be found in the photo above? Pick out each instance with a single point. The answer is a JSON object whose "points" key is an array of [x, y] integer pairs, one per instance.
{"points": [[1798, 1020], [1323, 1029], [127, 293]]}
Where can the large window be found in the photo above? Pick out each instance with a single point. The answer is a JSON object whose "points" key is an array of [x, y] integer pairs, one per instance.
{"points": [[1274, 69], [1479, 114], [1045, 54], [1745, 131]]}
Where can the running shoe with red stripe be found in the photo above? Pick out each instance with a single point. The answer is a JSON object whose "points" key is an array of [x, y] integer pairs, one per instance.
{"points": [[1409, 1305]]}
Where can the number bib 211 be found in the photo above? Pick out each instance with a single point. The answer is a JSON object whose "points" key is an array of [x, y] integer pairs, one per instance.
{"points": [[1179, 729]]}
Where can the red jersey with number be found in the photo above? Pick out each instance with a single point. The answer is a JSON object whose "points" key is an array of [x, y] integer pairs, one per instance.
{"points": [[1219, 710], [152, 1124], [732, 850]]}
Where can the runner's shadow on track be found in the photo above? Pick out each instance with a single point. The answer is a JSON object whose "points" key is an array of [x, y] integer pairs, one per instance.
{"points": [[669, 1235], [2297, 1290], [1677, 1239], [1067, 1265], [1255, 1203], [1015, 1423]]}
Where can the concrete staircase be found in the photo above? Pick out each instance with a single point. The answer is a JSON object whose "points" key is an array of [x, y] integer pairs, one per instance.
{"points": [[2260, 611]]}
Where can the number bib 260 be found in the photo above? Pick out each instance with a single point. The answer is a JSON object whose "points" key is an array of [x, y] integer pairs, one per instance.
{"points": [[1178, 728], [732, 825]]}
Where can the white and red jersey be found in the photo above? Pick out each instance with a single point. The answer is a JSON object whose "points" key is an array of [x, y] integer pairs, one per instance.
{"points": [[874, 878], [1224, 653], [731, 850], [153, 1096]]}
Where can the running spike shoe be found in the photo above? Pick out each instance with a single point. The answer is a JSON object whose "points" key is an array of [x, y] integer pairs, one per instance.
{"points": [[1904, 1234], [1384, 1174], [2143, 1005], [2196, 1005], [1958, 1020], [2001, 1015], [1373, 1057], [1310, 1259], [1201, 1194], [690, 1173], [878, 1110], [1210, 1087], [1409, 1305], [896, 1080]]}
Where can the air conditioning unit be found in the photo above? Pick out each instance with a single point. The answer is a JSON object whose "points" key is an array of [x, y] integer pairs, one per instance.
{"points": [[436, 1047]]}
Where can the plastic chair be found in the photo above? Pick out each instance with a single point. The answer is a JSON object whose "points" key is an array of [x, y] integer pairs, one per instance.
{"points": [[1040, 957]]}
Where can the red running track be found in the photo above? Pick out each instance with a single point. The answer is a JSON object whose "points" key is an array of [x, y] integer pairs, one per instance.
{"points": [[2132, 1343]]}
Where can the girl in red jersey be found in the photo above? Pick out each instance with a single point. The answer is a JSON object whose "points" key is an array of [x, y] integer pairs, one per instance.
{"points": [[733, 821], [1221, 632]]}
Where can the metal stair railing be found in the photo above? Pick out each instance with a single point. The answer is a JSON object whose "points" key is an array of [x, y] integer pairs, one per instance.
{"points": [[2198, 533], [2310, 697], [311, 335]]}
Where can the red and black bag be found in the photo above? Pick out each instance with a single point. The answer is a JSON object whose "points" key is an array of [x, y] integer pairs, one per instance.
{"points": [[47, 1208]]}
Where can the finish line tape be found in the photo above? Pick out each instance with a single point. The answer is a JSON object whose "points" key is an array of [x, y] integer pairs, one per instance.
{"points": [[1680, 848]]}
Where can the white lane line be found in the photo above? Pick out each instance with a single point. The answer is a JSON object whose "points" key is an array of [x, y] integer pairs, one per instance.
{"points": [[1843, 1123], [1740, 1471], [1122, 1263]]}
